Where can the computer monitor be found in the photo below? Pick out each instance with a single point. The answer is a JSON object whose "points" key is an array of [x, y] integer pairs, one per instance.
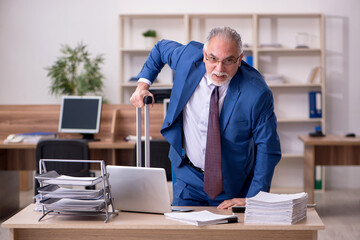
{"points": [[160, 94], [80, 114]]}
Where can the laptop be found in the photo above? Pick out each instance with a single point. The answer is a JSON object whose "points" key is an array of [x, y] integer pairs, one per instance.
{"points": [[139, 189]]}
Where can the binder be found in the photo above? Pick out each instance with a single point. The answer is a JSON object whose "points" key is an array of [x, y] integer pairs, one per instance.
{"points": [[250, 60], [315, 105], [318, 178]]}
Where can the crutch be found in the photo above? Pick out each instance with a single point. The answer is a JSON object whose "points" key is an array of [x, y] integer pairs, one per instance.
{"points": [[147, 101]]}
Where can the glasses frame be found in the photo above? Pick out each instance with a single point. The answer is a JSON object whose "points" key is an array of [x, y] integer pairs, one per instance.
{"points": [[222, 61]]}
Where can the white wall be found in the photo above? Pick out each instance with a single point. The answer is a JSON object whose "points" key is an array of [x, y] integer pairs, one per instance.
{"points": [[31, 33]]}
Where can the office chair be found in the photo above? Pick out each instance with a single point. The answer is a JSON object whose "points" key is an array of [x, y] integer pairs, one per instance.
{"points": [[63, 149], [159, 150]]}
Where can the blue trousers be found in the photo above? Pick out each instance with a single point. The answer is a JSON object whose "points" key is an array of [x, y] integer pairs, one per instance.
{"points": [[188, 188]]}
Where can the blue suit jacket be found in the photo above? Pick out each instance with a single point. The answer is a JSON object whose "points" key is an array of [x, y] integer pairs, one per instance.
{"points": [[249, 141]]}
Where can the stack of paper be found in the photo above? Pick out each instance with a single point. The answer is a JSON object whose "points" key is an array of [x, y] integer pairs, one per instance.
{"points": [[52, 177], [74, 205], [269, 208], [201, 218], [55, 191]]}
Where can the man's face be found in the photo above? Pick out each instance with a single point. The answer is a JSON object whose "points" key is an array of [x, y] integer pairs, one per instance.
{"points": [[221, 59]]}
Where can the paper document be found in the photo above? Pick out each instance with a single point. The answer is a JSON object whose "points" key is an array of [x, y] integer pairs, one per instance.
{"points": [[52, 177], [270, 208], [54, 191], [74, 205], [201, 218]]}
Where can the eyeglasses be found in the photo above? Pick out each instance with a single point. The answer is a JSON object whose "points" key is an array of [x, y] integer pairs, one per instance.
{"points": [[227, 61]]}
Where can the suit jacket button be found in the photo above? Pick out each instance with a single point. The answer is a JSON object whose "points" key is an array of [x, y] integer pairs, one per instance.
{"points": [[167, 124]]}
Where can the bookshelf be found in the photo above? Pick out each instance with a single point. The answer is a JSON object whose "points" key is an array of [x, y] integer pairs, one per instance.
{"points": [[271, 40]]}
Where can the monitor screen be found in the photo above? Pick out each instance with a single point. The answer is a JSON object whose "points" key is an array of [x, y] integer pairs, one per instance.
{"points": [[80, 114]]}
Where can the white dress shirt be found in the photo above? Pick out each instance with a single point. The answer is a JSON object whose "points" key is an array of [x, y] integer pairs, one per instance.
{"points": [[196, 117]]}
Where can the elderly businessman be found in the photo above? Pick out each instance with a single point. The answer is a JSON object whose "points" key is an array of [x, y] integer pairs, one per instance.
{"points": [[220, 122]]}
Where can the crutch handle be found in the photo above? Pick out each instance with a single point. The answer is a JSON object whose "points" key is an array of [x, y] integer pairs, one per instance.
{"points": [[148, 100]]}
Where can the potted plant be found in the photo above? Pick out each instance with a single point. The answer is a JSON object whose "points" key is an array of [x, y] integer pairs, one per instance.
{"points": [[150, 38], [75, 73]]}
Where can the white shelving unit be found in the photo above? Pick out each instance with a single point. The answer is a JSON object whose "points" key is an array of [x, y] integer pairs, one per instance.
{"points": [[291, 98]]}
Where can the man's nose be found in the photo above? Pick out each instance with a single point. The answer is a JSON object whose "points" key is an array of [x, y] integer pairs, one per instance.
{"points": [[219, 66]]}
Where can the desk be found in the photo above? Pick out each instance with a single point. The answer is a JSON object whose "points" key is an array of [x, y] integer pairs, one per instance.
{"points": [[21, 156], [24, 225], [17, 159], [327, 151], [117, 121]]}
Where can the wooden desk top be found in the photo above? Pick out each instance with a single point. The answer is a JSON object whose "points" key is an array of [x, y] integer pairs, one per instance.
{"points": [[27, 218], [329, 140], [104, 144]]}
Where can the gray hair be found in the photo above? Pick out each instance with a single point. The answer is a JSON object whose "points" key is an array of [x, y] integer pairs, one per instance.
{"points": [[227, 33]]}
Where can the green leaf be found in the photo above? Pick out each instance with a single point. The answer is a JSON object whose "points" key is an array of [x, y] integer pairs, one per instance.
{"points": [[75, 73]]}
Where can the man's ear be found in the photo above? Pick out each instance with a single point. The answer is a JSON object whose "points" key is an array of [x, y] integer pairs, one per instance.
{"points": [[204, 55], [240, 59]]}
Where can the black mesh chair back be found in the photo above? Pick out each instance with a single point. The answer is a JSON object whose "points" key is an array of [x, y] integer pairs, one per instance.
{"points": [[63, 149], [159, 151]]}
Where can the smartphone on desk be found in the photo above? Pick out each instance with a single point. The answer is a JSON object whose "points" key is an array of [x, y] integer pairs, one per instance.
{"points": [[238, 209]]}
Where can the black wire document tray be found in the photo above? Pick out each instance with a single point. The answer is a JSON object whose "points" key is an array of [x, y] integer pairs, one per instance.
{"points": [[59, 200]]}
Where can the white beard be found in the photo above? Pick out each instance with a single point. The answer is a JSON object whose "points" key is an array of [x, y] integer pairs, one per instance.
{"points": [[219, 74]]}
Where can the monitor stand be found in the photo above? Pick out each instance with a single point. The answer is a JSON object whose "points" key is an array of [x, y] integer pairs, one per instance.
{"points": [[89, 137]]}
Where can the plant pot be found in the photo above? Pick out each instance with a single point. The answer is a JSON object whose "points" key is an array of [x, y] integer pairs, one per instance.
{"points": [[149, 42]]}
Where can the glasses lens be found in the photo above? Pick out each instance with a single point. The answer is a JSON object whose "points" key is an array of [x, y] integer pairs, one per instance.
{"points": [[229, 61]]}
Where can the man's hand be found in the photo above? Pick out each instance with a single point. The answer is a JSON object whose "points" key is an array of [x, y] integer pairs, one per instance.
{"points": [[227, 204], [141, 91]]}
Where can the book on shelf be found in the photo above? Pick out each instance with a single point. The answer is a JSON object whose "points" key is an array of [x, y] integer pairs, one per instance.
{"points": [[249, 60], [315, 106], [201, 218], [271, 45], [318, 178], [314, 75], [281, 209], [273, 78]]}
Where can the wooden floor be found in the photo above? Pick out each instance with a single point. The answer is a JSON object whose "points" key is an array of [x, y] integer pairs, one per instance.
{"points": [[340, 212], [338, 209]]}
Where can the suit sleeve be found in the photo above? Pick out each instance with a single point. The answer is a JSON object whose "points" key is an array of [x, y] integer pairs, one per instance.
{"points": [[267, 143], [164, 52]]}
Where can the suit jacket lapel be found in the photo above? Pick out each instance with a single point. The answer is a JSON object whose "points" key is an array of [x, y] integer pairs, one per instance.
{"points": [[195, 74], [231, 98]]}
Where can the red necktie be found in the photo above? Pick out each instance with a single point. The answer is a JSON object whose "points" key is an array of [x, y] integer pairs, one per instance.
{"points": [[213, 174]]}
